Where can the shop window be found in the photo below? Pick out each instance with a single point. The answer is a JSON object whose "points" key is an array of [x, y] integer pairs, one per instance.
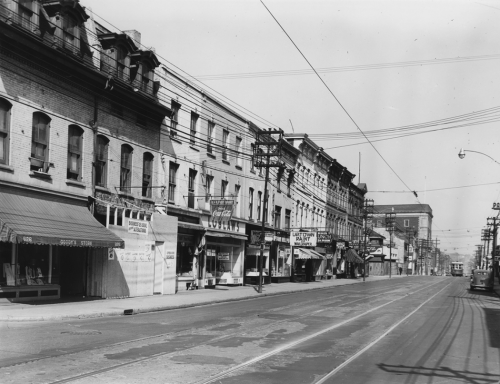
{"points": [[194, 122], [101, 161], [126, 168], [40, 143], [75, 139], [277, 217], [174, 118], [250, 203], [223, 189], [288, 214], [208, 187], [5, 108], [172, 181], [147, 174], [225, 141], [210, 136], [191, 188], [224, 261]]}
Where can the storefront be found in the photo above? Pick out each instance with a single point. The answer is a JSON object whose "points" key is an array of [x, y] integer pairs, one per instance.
{"points": [[309, 265], [224, 258], [46, 242]]}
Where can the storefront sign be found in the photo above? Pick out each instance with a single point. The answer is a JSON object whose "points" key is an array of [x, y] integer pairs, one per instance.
{"points": [[139, 227], [133, 256], [223, 256], [222, 210], [256, 236], [281, 254], [340, 245], [324, 237], [282, 237], [303, 239], [169, 254]]}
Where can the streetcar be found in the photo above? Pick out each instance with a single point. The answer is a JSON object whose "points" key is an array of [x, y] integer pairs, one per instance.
{"points": [[457, 268]]}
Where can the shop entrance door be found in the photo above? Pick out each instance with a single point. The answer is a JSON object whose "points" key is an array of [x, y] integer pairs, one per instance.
{"points": [[72, 278], [159, 258]]}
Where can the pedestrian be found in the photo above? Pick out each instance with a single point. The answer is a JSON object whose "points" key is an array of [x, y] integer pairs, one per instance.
{"points": [[400, 270]]}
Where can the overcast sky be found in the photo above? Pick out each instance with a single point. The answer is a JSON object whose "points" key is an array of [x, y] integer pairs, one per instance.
{"points": [[390, 64]]}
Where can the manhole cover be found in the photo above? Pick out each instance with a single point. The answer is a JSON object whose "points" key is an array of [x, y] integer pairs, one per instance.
{"points": [[81, 333]]}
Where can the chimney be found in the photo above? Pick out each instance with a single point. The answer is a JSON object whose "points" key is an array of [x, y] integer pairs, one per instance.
{"points": [[136, 37]]}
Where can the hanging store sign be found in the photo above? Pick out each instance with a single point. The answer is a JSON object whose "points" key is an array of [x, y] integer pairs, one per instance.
{"points": [[139, 227], [222, 210], [256, 237], [223, 256], [324, 237], [303, 239]]}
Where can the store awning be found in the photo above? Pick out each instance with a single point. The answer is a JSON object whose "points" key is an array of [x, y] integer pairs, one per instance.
{"points": [[33, 220], [214, 233], [352, 257], [197, 227], [305, 253]]}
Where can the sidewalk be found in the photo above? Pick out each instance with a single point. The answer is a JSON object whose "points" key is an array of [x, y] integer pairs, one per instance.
{"points": [[51, 311]]}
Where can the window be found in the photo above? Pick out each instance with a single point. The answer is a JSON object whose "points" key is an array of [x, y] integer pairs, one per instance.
{"points": [[288, 214], [259, 202], [406, 222], [5, 108], [265, 204], [250, 203], [121, 66], [174, 119], [40, 142], [210, 136], [208, 186], [223, 189], [70, 34], [147, 174], [75, 138], [194, 121], [126, 168], [172, 180], [147, 75], [277, 217], [237, 198], [101, 161], [191, 187], [25, 13], [225, 139], [238, 151]]}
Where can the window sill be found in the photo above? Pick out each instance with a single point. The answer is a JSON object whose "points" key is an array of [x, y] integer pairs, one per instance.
{"points": [[175, 140], [194, 149], [125, 194], [6, 168], [75, 183], [40, 175], [226, 162], [102, 189], [212, 156], [239, 167]]}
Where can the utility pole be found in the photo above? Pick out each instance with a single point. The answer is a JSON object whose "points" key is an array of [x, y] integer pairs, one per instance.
{"points": [[410, 235], [267, 140], [486, 237], [493, 222], [368, 224], [389, 226], [435, 254]]}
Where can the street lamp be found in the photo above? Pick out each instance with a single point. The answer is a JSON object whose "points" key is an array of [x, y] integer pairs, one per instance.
{"points": [[461, 154]]}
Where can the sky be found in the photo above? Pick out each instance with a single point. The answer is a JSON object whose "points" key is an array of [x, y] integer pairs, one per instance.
{"points": [[380, 64]]}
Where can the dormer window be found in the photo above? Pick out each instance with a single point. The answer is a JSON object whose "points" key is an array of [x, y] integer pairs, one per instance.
{"points": [[25, 11], [70, 33], [146, 78], [121, 64]]}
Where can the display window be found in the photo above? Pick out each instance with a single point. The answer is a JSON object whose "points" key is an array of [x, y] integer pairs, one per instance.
{"points": [[280, 265], [224, 261], [33, 266], [185, 255], [252, 262]]}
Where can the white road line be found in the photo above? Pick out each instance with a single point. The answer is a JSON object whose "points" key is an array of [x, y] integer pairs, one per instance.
{"points": [[307, 338], [331, 373]]}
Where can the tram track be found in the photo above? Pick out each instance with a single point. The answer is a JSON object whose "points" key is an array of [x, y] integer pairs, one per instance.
{"points": [[244, 332]]}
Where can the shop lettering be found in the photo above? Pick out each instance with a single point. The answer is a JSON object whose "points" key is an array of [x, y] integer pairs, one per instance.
{"points": [[84, 243], [27, 239], [304, 239], [138, 226], [68, 242]]}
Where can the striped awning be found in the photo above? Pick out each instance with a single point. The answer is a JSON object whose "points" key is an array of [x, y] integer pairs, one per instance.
{"points": [[352, 257], [305, 253], [29, 219]]}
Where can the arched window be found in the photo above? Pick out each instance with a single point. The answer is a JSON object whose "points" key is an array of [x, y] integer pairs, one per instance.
{"points": [[126, 168], [75, 142], [101, 161], [5, 108], [147, 174], [40, 142]]}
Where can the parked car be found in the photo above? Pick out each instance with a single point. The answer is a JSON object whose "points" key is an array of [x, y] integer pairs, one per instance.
{"points": [[482, 278]]}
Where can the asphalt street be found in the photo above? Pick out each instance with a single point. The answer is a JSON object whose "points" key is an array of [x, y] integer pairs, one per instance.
{"points": [[414, 330]]}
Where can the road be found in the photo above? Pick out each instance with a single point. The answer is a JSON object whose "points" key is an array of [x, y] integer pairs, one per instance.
{"points": [[404, 330]]}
